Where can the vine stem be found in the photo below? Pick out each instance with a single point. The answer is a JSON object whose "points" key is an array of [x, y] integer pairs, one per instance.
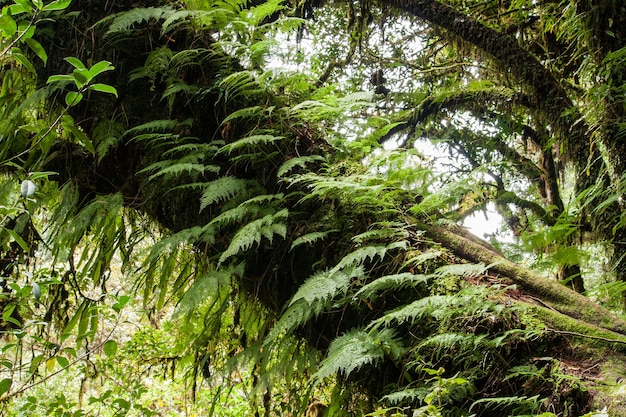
{"points": [[16, 40], [66, 367], [586, 336]]}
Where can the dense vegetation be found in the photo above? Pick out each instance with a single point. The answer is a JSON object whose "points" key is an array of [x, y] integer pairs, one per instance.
{"points": [[256, 208]]}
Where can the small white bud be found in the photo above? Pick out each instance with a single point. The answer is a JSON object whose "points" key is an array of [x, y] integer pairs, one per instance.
{"points": [[36, 291], [28, 188]]}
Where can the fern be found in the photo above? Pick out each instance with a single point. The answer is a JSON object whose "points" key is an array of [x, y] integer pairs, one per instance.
{"points": [[253, 232], [301, 162], [169, 169], [241, 83], [123, 22], [406, 396], [413, 312], [254, 112], [395, 282], [204, 287], [356, 349], [362, 255], [522, 404], [250, 142], [423, 257], [221, 189], [389, 231], [161, 125], [311, 238], [461, 270], [323, 286], [311, 299]]}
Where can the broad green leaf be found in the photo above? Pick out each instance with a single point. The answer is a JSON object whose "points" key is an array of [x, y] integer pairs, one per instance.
{"points": [[57, 5], [38, 49], [99, 68], [80, 136], [104, 88], [110, 347], [5, 386], [38, 4], [18, 239], [26, 5], [17, 54], [121, 302], [72, 98], [81, 77], [13, 10], [7, 26], [59, 78], [50, 363], [26, 30], [62, 361], [43, 174], [75, 62]]}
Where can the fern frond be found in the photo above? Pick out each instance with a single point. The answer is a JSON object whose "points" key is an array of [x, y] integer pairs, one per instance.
{"points": [[123, 22], [223, 188], [249, 208], [354, 350], [371, 252], [529, 403], [325, 285], [253, 232], [461, 270], [203, 149], [297, 162], [161, 125], [406, 396], [311, 299], [423, 257], [169, 169], [395, 282], [311, 238], [253, 112], [250, 142], [391, 231], [413, 312], [204, 287], [240, 83]]}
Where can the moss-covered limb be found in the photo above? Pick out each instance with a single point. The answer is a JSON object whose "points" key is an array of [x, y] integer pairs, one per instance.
{"points": [[557, 296], [592, 335]]}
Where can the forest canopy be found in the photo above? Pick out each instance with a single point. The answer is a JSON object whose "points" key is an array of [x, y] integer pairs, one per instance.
{"points": [[259, 207]]}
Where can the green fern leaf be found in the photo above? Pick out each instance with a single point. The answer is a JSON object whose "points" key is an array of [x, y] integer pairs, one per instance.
{"points": [[204, 288], [406, 396], [240, 83], [123, 22], [413, 312], [395, 282], [461, 270], [352, 351], [253, 232], [297, 162], [169, 170], [362, 255], [324, 286], [245, 113], [161, 125], [311, 238], [222, 189], [384, 233], [250, 142], [311, 299]]}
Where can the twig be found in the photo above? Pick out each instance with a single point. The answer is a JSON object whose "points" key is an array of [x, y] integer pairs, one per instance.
{"points": [[55, 373], [586, 336]]}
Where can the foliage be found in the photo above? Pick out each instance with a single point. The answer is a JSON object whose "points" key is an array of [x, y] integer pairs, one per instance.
{"points": [[238, 228]]}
